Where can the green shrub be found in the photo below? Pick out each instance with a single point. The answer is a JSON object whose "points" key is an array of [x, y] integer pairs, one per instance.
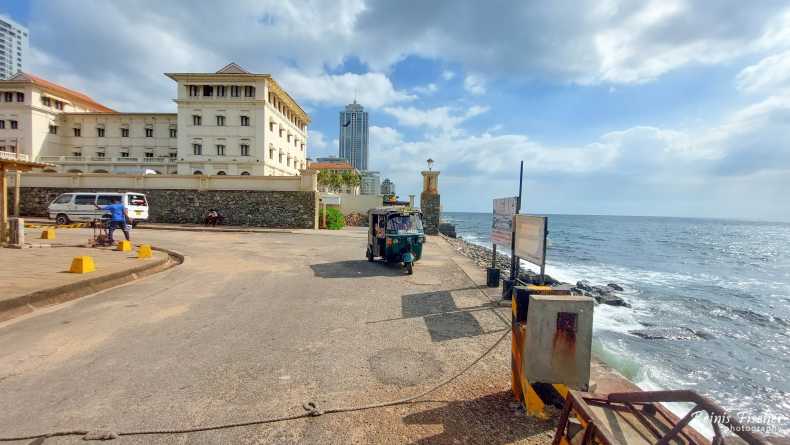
{"points": [[334, 219]]}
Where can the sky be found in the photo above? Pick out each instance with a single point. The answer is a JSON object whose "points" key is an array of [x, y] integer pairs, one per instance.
{"points": [[666, 108]]}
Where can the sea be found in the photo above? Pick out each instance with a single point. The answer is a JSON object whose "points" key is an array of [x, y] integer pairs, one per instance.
{"points": [[727, 281]]}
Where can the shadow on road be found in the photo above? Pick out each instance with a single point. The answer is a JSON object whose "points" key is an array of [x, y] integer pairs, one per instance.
{"points": [[357, 269], [486, 419], [443, 318]]}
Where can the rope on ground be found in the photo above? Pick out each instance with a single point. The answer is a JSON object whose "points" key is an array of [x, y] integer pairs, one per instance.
{"points": [[311, 410]]}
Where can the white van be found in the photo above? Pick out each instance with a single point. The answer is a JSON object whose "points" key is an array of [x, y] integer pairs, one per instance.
{"points": [[81, 206]]}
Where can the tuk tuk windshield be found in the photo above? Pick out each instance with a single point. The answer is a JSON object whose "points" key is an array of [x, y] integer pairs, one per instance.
{"points": [[403, 224]]}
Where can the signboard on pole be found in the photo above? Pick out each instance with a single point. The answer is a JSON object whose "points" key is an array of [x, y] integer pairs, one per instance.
{"points": [[531, 238], [502, 224]]}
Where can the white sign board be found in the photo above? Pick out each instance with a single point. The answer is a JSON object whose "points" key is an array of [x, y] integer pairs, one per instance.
{"points": [[531, 238], [502, 226]]}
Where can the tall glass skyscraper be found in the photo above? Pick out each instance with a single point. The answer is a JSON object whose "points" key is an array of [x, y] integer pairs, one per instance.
{"points": [[354, 136], [13, 47]]}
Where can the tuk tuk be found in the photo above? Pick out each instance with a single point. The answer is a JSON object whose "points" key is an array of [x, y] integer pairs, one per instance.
{"points": [[395, 234]]}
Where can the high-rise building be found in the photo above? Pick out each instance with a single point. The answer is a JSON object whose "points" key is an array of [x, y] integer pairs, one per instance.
{"points": [[354, 136], [369, 183], [13, 47], [387, 187]]}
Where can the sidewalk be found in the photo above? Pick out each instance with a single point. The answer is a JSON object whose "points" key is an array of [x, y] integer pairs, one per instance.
{"points": [[38, 276]]}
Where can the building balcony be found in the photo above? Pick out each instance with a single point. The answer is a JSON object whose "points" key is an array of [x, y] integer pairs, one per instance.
{"points": [[13, 156], [103, 159]]}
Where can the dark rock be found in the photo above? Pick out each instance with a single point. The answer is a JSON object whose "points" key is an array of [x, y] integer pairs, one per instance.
{"points": [[584, 285], [611, 300], [616, 287], [447, 229], [602, 290], [670, 333]]}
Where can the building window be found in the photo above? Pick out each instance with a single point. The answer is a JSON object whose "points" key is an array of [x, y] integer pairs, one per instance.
{"points": [[220, 150], [197, 172], [46, 101], [149, 154], [208, 90], [9, 97], [20, 97], [271, 127], [220, 173], [197, 149], [2, 126], [76, 154], [14, 125], [149, 132], [221, 91], [196, 119], [124, 132], [245, 121], [245, 150], [125, 154], [58, 105], [271, 153], [281, 132], [235, 91], [249, 91], [173, 132], [100, 154], [173, 154], [193, 90], [53, 129], [220, 121], [100, 132], [245, 173], [77, 132]]}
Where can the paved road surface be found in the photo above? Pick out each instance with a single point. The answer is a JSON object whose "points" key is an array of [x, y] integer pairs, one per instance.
{"points": [[254, 325]]}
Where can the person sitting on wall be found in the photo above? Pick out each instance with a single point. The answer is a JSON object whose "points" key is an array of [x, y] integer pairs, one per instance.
{"points": [[118, 216], [212, 218]]}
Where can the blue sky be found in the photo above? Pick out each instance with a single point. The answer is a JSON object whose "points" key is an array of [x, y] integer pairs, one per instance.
{"points": [[671, 107]]}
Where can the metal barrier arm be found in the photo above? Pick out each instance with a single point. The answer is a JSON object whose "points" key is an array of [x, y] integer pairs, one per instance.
{"points": [[717, 414]]}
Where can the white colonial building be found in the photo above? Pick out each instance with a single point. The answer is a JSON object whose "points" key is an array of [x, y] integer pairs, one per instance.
{"points": [[231, 122]]}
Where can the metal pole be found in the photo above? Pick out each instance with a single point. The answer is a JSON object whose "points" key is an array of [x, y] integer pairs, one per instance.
{"points": [[514, 261], [3, 204], [17, 189], [543, 265], [493, 258]]}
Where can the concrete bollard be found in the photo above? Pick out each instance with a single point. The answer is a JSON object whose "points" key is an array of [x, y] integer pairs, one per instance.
{"points": [[48, 233], [124, 246], [82, 264], [144, 251]]}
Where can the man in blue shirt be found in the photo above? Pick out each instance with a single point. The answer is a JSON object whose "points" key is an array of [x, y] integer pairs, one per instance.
{"points": [[118, 216]]}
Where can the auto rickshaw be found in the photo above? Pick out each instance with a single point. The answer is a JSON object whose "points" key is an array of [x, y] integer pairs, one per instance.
{"points": [[395, 234]]}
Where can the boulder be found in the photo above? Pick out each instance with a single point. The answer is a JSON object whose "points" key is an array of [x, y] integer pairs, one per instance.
{"points": [[669, 333], [611, 300], [616, 287], [584, 285], [447, 229]]}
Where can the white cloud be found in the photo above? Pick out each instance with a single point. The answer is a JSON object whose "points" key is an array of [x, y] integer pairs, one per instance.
{"points": [[316, 140], [474, 84], [426, 90], [769, 74], [371, 89], [384, 136], [443, 118], [448, 75]]}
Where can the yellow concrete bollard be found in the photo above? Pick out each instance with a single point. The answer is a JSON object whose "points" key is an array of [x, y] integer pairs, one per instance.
{"points": [[124, 246], [82, 264], [144, 251], [48, 233]]}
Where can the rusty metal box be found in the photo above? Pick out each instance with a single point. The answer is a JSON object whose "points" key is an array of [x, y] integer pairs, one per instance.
{"points": [[558, 340]]}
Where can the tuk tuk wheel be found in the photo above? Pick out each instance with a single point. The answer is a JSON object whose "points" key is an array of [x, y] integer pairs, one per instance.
{"points": [[369, 254], [409, 268]]}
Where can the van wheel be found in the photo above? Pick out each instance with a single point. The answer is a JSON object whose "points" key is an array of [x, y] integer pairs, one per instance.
{"points": [[62, 219]]}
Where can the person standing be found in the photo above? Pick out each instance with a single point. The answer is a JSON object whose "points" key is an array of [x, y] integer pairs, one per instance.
{"points": [[118, 217]]}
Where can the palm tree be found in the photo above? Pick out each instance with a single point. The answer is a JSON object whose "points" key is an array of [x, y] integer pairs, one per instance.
{"points": [[351, 180]]}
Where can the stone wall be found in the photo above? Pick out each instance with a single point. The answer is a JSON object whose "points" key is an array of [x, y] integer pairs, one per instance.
{"points": [[276, 209], [431, 210]]}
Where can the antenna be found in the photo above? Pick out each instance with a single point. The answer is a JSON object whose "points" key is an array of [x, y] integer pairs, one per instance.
{"points": [[355, 94]]}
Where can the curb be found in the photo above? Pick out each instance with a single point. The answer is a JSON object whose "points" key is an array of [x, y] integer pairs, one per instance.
{"points": [[25, 304], [200, 229]]}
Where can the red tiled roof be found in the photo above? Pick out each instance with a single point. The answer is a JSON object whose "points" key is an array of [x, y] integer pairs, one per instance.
{"points": [[330, 166], [52, 86]]}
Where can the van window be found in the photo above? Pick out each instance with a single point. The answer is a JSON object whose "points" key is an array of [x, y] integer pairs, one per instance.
{"points": [[63, 199], [85, 199], [105, 200], [137, 200]]}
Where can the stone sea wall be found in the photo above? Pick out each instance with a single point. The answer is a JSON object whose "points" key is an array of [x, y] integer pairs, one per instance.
{"points": [[275, 209]]}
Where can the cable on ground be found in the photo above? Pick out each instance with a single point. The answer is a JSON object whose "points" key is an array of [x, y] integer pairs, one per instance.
{"points": [[311, 410]]}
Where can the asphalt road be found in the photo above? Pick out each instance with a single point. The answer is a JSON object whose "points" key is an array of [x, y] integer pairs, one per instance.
{"points": [[254, 325]]}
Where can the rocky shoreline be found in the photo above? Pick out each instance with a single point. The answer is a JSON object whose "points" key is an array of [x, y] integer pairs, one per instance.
{"points": [[603, 294]]}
